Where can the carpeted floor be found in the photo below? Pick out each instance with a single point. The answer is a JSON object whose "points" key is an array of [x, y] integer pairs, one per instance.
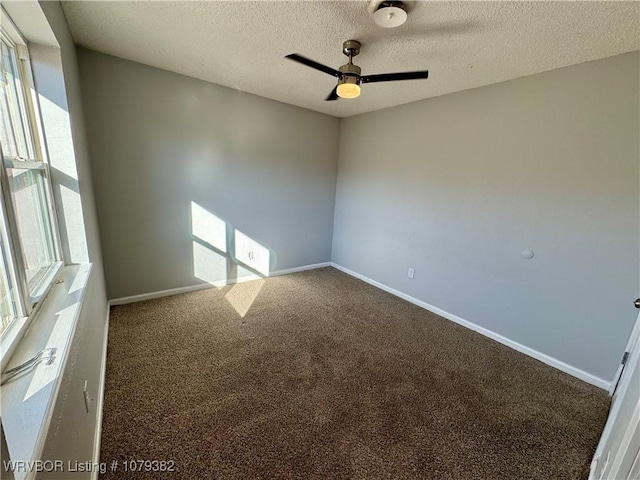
{"points": [[319, 375]]}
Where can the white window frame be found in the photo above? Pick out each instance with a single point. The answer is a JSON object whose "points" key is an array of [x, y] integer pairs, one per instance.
{"points": [[27, 299]]}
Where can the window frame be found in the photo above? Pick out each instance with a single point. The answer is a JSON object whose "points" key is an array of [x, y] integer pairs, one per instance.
{"points": [[27, 298]]}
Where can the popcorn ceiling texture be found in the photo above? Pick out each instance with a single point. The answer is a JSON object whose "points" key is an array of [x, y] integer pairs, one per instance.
{"points": [[241, 44], [318, 375]]}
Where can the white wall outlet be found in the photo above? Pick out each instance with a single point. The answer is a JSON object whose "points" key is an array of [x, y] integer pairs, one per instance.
{"points": [[411, 273]]}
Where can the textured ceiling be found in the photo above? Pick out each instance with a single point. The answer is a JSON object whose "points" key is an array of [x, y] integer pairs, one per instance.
{"points": [[241, 44]]}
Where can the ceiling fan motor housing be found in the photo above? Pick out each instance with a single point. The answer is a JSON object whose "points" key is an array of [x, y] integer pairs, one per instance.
{"points": [[350, 74]]}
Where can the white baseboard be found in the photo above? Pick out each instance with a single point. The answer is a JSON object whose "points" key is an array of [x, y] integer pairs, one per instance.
{"points": [[576, 372], [160, 294], [304, 268], [100, 399], [204, 286]]}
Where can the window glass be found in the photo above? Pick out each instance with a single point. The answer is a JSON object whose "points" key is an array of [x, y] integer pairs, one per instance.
{"points": [[7, 306], [16, 135], [30, 198]]}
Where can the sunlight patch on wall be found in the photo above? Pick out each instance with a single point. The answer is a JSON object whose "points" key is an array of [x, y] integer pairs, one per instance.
{"points": [[58, 131], [208, 265], [251, 253], [219, 259], [244, 274], [208, 227], [60, 152], [73, 223]]}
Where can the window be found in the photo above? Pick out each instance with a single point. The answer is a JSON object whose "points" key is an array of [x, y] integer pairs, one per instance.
{"points": [[30, 256], [8, 310]]}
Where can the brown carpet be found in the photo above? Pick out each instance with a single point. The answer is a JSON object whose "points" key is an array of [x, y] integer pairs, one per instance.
{"points": [[328, 377]]}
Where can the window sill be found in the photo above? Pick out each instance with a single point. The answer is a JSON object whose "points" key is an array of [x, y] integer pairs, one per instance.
{"points": [[45, 281], [27, 401], [17, 329]]}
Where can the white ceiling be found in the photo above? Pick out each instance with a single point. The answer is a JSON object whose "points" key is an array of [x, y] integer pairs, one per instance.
{"points": [[241, 44]]}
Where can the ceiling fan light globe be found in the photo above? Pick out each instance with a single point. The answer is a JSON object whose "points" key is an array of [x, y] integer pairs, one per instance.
{"points": [[348, 90]]}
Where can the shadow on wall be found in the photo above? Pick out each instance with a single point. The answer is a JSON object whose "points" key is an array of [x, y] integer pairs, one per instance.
{"points": [[224, 255]]}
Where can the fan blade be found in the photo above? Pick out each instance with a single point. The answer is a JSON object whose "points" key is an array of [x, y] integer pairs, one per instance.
{"points": [[333, 95], [390, 77], [310, 63]]}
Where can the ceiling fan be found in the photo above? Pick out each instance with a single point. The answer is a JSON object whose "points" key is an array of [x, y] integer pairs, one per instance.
{"points": [[349, 75]]}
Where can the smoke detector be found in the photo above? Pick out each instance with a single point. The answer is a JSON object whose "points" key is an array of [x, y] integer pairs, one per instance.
{"points": [[388, 13]]}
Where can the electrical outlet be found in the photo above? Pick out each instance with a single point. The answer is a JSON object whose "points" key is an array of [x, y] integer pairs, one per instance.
{"points": [[411, 272]]}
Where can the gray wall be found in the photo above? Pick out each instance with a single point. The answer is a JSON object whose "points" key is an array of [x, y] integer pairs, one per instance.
{"points": [[73, 431], [160, 140], [454, 186], [458, 186]]}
